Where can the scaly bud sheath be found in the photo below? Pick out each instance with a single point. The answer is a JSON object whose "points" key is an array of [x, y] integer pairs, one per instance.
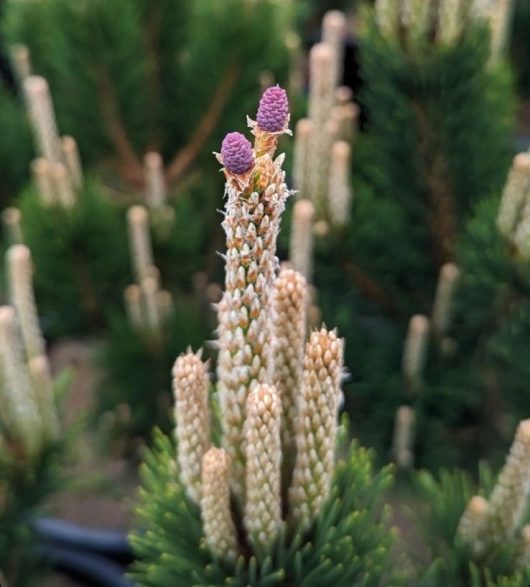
{"points": [[11, 218], [218, 526], [133, 305], [443, 300], [450, 21], [301, 242], [417, 16], [42, 117], [165, 304], [301, 156], [500, 16], [272, 120], [149, 287], [515, 192], [523, 555], [251, 223], [346, 117], [509, 498], [472, 526], [155, 185], [72, 160], [343, 95], [296, 73], [19, 408], [321, 100], [63, 186], [20, 272], [320, 167], [290, 319], [192, 416], [333, 35], [42, 176], [322, 87], [415, 351], [402, 446], [41, 378], [388, 17], [20, 61], [263, 510], [316, 426], [340, 189], [140, 241]]}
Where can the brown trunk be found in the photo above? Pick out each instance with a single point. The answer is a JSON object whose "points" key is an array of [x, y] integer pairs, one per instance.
{"points": [[437, 181], [185, 157]]}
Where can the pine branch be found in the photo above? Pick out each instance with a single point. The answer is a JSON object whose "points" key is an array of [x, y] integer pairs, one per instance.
{"points": [[436, 175], [185, 157], [369, 287], [129, 164]]}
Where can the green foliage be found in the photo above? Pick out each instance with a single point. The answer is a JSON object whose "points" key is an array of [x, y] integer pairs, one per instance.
{"points": [[492, 312], [439, 121], [137, 370], [448, 561], [520, 49], [26, 482], [23, 487], [150, 75], [348, 545], [190, 243], [80, 257], [437, 143], [15, 145]]}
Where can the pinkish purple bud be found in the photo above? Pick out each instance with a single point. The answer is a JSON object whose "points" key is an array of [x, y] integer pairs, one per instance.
{"points": [[236, 152], [273, 110]]}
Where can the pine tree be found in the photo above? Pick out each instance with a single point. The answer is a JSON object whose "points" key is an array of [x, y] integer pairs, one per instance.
{"points": [[248, 520]]}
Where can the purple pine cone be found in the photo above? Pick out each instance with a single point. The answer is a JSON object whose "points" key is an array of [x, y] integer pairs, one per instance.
{"points": [[273, 110], [236, 152]]}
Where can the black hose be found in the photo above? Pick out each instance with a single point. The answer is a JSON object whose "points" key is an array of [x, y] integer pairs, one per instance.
{"points": [[111, 544], [90, 569]]}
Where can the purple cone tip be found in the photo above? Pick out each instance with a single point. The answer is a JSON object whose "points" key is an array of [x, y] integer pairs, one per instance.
{"points": [[273, 110], [236, 152]]}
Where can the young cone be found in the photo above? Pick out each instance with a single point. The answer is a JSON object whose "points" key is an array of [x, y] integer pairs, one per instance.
{"points": [[316, 426], [218, 526], [192, 416], [263, 509]]}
